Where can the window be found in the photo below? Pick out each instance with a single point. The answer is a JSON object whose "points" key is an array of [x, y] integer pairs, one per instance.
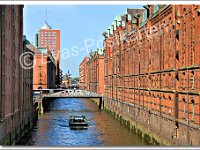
{"points": [[192, 108], [177, 34], [156, 8], [184, 111], [124, 32], [144, 16], [131, 28], [193, 81], [176, 131]]}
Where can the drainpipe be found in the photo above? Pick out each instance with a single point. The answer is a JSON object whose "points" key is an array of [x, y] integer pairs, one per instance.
{"points": [[160, 70], [1, 20], [176, 74], [14, 60], [4, 55], [137, 16], [175, 68]]}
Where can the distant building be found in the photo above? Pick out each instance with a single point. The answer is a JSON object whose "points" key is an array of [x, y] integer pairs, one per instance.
{"points": [[83, 74], [44, 67], [40, 72], [96, 72], [66, 83], [50, 39]]}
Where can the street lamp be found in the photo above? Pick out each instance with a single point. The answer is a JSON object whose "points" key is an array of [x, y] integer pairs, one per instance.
{"points": [[40, 81]]}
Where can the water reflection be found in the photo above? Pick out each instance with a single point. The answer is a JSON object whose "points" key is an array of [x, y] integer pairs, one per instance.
{"points": [[53, 128]]}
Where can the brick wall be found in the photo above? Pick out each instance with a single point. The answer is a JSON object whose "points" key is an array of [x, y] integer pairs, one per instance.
{"points": [[16, 104], [94, 73], [155, 66], [83, 73]]}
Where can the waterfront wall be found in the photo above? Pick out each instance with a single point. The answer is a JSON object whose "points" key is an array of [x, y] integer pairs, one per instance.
{"points": [[152, 69], [151, 126]]}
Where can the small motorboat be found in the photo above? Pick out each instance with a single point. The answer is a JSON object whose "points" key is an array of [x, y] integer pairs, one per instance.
{"points": [[78, 121]]}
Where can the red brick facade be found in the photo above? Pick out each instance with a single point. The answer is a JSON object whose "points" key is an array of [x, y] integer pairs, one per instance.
{"points": [[16, 105], [40, 72], [152, 63], [96, 73], [50, 39], [66, 83], [44, 71], [83, 74], [91, 72]]}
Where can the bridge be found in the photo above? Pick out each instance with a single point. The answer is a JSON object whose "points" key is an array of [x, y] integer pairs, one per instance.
{"points": [[42, 98], [74, 93]]}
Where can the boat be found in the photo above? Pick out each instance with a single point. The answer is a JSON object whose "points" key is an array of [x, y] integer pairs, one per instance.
{"points": [[78, 122]]}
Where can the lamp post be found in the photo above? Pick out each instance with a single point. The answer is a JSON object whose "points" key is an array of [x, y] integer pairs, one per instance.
{"points": [[40, 81]]}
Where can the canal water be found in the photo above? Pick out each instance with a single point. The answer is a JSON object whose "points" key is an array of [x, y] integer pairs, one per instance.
{"points": [[52, 128]]}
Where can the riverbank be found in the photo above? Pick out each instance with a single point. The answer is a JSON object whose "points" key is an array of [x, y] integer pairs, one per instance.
{"points": [[138, 129], [124, 115], [151, 126], [135, 127]]}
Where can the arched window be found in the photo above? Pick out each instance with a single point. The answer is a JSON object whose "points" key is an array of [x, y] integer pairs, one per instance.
{"points": [[192, 72], [192, 108], [155, 8], [176, 134], [184, 109]]}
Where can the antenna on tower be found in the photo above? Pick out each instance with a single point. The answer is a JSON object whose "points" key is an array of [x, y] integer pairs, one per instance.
{"points": [[46, 16]]}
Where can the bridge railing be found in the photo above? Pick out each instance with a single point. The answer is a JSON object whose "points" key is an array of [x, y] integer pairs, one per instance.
{"points": [[73, 93]]}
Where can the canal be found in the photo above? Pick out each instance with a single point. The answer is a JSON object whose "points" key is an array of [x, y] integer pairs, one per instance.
{"points": [[52, 128]]}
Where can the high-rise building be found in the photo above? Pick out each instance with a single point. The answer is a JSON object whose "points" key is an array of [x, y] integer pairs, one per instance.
{"points": [[49, 38]]}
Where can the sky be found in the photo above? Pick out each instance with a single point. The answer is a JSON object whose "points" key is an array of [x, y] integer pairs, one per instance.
{"points": [[81, 28]]}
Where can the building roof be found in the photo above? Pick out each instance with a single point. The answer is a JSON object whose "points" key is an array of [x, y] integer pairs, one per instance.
{"points": [[121, 19], [29, 45], [98, 52], [42, 50], [32, 48], [46, 25]]}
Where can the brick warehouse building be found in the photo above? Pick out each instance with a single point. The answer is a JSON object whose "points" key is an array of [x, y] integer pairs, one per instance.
{"points": [[44, 67], [152, 72], [91, 72], [16, 105], [96, 72], [44, 70], [83, 74], [66, 83]]}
